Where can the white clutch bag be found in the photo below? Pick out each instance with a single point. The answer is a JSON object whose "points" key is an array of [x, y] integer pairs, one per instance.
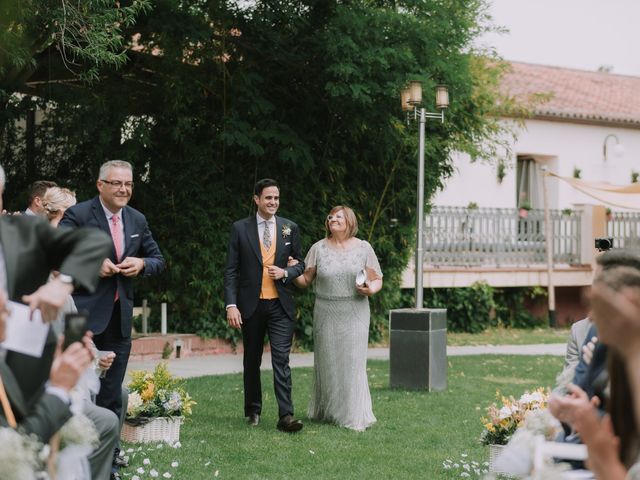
{"points": [[361, 278]]}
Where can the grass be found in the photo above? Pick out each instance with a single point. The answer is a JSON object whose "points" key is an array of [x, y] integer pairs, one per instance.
{"points": [[509, 336], [415, 433]]}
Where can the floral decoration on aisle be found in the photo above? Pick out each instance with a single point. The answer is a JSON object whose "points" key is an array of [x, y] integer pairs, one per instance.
{"points": [[156, 394], [505, 417]]}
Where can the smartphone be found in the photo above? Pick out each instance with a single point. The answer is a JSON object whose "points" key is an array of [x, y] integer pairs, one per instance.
{"points": [[75, 326]]}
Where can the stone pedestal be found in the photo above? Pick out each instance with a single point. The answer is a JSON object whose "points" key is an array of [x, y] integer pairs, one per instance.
{"points": [[418, 349]]}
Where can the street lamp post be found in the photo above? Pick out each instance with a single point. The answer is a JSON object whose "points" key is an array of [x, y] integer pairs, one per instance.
{"points": [[411, 98]]}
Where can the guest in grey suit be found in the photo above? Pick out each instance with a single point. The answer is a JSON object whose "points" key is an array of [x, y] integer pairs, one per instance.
{"points": [[29, 250]]}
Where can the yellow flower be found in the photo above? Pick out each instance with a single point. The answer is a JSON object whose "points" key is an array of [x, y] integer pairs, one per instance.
{"points": [[147, 394]]}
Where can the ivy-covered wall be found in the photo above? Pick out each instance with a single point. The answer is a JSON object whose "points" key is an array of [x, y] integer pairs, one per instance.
{"points": [[216, 96]]}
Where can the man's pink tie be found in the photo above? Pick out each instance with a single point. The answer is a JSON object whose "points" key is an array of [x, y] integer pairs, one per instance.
{"points": [[117, 242]]}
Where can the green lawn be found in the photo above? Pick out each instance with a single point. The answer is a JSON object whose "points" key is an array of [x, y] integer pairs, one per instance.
{"points": [[509, 336], [416, 431]]}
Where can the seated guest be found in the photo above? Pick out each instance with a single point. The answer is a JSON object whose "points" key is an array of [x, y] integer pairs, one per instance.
{"points": [[34, 197], [612, 441], [44, 414], [55, 202]]}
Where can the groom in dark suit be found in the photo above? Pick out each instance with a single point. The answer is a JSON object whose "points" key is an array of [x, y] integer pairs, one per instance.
{"points": [[134, 252], [257, 290]]}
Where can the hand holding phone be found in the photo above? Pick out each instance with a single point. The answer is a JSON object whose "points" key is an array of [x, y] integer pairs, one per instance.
{"points": [[75, 327]]}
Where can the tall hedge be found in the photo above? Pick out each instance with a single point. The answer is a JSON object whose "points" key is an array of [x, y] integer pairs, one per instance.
{"points": [[216, 96]]}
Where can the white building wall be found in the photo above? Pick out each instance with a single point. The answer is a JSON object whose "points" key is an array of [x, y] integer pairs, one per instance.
{"points": [[562, 146]]}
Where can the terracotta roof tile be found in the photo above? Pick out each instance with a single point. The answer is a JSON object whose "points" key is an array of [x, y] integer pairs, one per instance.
{"points": [[594, 97]]}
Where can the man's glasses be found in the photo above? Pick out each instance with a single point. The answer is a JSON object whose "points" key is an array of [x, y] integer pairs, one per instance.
{"points": [[337, 217], [117, 184]]}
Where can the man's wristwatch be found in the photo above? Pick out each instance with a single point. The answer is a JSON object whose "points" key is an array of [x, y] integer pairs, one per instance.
{"points": [[67, 279], [286, 274]]}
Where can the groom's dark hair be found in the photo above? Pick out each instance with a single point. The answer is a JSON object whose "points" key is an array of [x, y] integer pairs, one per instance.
{"points": [[264, 183]]}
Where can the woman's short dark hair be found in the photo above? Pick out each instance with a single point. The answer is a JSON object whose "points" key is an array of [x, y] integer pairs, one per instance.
{"points": [[264, 183]]}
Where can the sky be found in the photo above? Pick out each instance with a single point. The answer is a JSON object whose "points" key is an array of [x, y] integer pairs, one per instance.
{"points": [[581, 34]]}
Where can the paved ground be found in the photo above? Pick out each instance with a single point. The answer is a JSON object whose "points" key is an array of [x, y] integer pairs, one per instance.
{"points": [[222, 364]]}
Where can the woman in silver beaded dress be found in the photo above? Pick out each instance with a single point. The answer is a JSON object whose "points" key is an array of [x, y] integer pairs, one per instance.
{"points": [[341, 319]]}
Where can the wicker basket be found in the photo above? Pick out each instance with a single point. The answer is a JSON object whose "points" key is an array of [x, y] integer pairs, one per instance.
{"points": [[161, 429], [494, 453]]}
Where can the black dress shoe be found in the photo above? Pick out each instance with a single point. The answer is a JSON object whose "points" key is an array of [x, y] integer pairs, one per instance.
{"points": [[120, 462], [115, 476], [289, 424], [254, 419]]}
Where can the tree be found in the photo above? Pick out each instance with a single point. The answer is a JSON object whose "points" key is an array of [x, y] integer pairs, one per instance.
{"points": [[215, 96]]}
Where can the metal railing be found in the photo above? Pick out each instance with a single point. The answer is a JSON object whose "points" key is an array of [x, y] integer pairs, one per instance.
{"points": [[624, 228], [459, 236]]}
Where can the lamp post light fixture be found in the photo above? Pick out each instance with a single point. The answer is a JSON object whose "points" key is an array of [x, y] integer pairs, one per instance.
{"points": [[618, 149], [411, 98]]}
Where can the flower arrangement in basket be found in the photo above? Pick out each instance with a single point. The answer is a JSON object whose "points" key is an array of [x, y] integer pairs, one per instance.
{"points": [[502, 420], [158, 402]]}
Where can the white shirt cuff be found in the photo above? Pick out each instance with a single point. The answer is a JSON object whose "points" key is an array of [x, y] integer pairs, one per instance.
{"points": [[59, 392]]}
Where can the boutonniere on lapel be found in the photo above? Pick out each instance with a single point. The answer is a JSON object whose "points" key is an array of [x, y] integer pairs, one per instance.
{"points": [[286, 230]]}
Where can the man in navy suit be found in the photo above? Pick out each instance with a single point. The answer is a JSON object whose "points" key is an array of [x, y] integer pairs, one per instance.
{"points": [[257, 290], [134, 252]]}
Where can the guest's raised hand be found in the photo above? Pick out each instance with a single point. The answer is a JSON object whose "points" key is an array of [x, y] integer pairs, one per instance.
{"points": [[602, 444], [234, 319], [131, 266], [49, 298], [587, 350], [567, 408], [70, 364], [108, 268]]}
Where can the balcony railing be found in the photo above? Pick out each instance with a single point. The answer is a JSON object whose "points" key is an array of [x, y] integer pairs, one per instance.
{"points": [[624, 228], [459, 236]]}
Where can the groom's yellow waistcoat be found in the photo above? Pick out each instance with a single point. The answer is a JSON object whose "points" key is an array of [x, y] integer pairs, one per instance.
{"points": [[268, 289]]}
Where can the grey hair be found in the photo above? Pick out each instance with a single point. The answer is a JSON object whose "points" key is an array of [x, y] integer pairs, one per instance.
{"points": [[106, 166], [3, 179]]}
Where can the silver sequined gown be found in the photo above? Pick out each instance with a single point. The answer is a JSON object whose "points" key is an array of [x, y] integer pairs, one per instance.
{"points": [[340, 392]]}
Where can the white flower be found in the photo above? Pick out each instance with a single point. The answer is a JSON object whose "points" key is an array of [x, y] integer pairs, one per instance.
{"points": [[135, 402], [286, 230], [166, 475], [135, 477], [140, 470], [153, 473], [174, 464]]}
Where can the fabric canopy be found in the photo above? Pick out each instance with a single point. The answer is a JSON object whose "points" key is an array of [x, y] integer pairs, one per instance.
{"points": [[624, 196]]}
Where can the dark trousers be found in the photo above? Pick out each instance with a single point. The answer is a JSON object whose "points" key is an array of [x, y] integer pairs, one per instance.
{"points": [[110, 395], [269, 318]]}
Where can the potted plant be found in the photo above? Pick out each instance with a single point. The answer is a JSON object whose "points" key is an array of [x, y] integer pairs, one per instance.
{"points": [[523, 211], [472, 206], [567, 211], [503, 419], [609, 214], [634, 176], [577, 173], [157, 406]]}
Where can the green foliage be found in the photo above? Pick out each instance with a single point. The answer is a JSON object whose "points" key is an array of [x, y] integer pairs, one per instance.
{"points": [[468, 309], [511, 308], [307, 92], [87, 35], [478, 307]]}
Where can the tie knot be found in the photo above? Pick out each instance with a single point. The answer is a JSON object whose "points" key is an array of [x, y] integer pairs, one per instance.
{"points": [[115, 219]]}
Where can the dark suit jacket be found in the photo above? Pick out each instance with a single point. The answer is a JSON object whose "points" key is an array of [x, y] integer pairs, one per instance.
{"points": [[138, 243], [45, 417], [243, 274], [31, 250]]}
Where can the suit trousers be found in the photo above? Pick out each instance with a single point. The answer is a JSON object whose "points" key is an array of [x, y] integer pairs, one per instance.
{"points": [[269, 318], [110, 395], [108, 427]]}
